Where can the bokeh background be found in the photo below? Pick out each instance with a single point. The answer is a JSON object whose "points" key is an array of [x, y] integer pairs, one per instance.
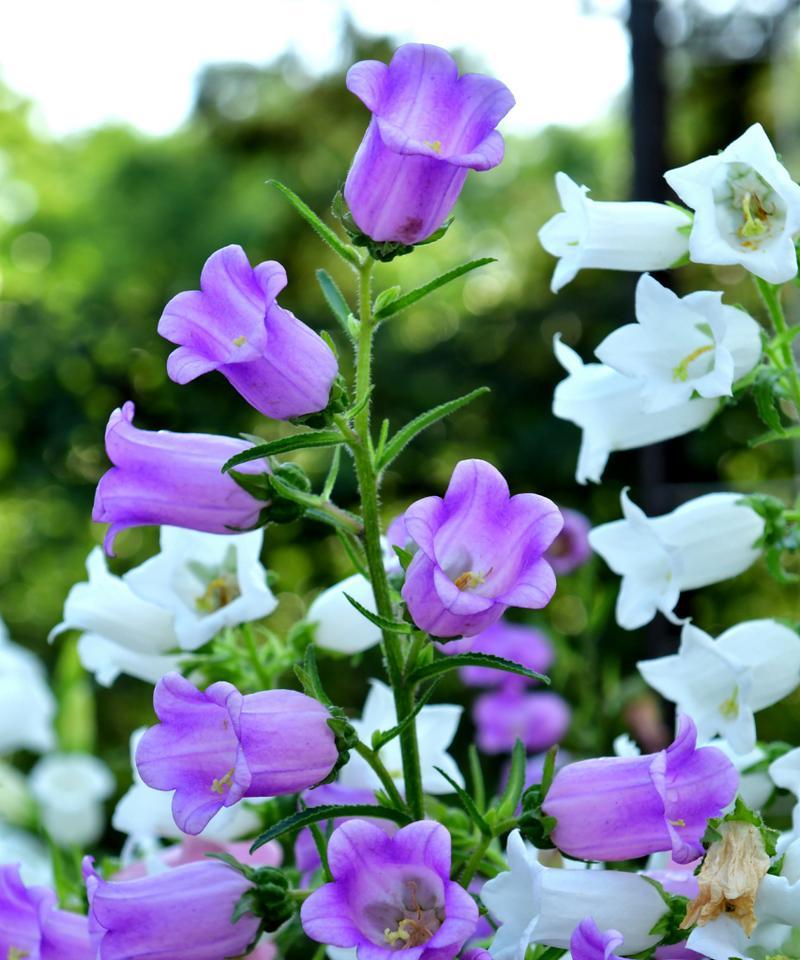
{"points": [[119, 175]]}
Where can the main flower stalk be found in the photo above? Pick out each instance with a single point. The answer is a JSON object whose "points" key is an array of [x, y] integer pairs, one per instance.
{"points": [[368, 488]]}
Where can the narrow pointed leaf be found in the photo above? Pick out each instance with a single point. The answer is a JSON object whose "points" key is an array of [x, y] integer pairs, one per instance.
{"points": [[390, 626], [402, 303], [406, 434], [516, 782], [468, 804], [299, 441], [335, 299], [304, 818], [322, 230], [381, 738], [445, 663]]}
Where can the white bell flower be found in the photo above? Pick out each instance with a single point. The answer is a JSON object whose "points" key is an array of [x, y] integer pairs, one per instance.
{"points": [[703, 541], [722, 683], [27, 705], [635, 236], [682, 346], [538, 904], [145, 814], [436, 727], [207, 581], [69, 789], [122, 632], [339, 626], [785, 773], [755, 788], [747, 207], [607, 406]]}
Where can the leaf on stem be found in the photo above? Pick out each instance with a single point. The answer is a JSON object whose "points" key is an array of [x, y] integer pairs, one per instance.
{"points": [[322, 230], [305, 818], [454, 661], [468, 804], [298, 441], [516, 782], [390, 626], [381, 737], [394, 306], [406, 434], [335, 300]]}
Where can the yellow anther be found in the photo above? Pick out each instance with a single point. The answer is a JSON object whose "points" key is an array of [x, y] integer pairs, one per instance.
{"points": [[754, 216], [677, 823], [14, 953], [435, 145], [681, 372], [239, 341], [730, 708], [469, 579], [219, 593], [223, 783], [392, 936]]}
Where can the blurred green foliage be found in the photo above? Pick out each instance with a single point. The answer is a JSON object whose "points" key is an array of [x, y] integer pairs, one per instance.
{"points": [[98, 231]]}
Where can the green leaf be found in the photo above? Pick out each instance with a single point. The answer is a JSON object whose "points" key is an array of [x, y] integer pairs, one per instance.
{"points": [[468, 804], [390, 626], [304, 818], [298, 441], [335, 300], [445, 663], [354, 551], [402, 303], [308, 675], [792, 433], [385, 297], [766, 405], [313, 505], [516, 782], [322, 230], [476, 778], [381, 738], [406, 434]]}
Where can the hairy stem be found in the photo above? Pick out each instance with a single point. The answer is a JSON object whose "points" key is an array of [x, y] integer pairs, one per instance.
{"points": [[771, 296]]}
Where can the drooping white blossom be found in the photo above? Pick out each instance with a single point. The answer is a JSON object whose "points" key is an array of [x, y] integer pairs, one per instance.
{"points": [[538, 904], [607, 406], [635, 236], [722, 683], [339, 626], [207, 581], [703, 541], [436, 727], [682, 346], [27, 705], [69, 789], [747, 207]]}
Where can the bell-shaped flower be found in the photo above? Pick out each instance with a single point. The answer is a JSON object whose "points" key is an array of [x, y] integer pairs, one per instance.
{"points": [[785, 773], [27, 705], [70, 789], [480, 552], [502, 717], [570, 549], [31, 926], [588, 942], [607, 406], [620, 808], [178, 913], [160, 477], [338, 626], [122, 632], [537, 904], [722, 683], [703, 541], [682, 346], [215, 747], [391, 894], [233, 324], [429, 127], [520, 643], [207, 581], [755, 786], [747, 207], [436, 728], [636, 236], [144, 815]]}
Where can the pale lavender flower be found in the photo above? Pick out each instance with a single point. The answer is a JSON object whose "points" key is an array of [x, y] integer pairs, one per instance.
{"points": [[521, 644], [588, 942], [31, 926], [539, 720], [619, 808], [160, 477], [178, 913], [233, 324], [570, 548], [429, 127], [215, 747], [480, 552], [391, 894]]}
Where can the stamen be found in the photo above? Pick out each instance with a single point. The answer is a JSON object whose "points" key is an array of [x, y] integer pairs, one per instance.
{"points": [[223, 783], [730, 708], [681, 372], [677, 823], [14, 953], [392, 936], [239, 341], [220, 591], [435, 145], [755, 221]]}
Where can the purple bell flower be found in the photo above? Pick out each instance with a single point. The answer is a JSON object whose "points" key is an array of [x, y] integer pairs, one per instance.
{"points": [[538, 719], [164, 478], [234, 324], [570, 548], [31, 926], [428, 128], [476, 953], [620, 808], [589, 943], [391, 894], [480, 552], [179, 913], [524, 645], [215, 747]]}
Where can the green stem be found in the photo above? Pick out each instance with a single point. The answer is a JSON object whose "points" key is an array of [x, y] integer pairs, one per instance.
{"points": [[474, 861], [266, 682], [368, 488], [373, 759], [771, 295]]}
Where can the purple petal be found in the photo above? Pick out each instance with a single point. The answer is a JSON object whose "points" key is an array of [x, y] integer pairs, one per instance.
{"points": [[326, 917]]}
